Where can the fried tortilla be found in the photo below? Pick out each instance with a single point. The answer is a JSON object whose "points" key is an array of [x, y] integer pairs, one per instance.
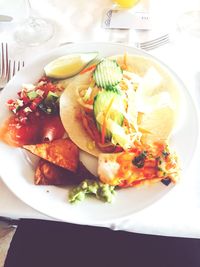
{"points": [[61, 152], [48, 173]]}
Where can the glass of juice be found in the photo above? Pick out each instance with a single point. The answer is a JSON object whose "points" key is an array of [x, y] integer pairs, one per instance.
{"points": [[126, 3]]}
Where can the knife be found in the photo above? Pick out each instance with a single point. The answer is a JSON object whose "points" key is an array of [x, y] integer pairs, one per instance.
{"points": [[5, 18]]}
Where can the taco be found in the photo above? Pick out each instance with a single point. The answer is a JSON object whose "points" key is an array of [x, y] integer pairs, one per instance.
{"points": [[123, 100]]}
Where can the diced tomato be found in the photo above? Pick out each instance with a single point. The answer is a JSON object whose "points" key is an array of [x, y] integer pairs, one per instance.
{"points": [[35, 103], [10, 101], [47, 87]]}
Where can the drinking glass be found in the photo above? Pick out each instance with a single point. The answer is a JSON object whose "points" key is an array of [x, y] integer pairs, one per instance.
{"points": [[126, 3], [34, 30]]}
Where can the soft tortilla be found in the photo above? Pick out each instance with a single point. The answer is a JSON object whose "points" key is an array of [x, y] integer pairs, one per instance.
{"points": [[69, 109], [69, 105]]}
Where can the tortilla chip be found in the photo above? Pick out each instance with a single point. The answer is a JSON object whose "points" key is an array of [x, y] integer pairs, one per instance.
{"points": [[48, 173], [61, 152]]}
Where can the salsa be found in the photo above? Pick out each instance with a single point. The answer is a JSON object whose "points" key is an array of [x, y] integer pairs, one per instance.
{"points": [[39, 128], [35, 115]]}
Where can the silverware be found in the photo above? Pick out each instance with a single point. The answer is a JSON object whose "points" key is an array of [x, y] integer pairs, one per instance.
{"points": [[15, 67], [5, 18], [152, 44], [8, 68], [4, 65]]}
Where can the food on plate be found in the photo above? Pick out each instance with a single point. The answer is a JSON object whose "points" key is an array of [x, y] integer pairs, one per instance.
{"points": [[107, 73], [121, 109], [48, 173], [152, 125], [102, 191], [61, 152], [35, 115], [37, 129], [124, 111], [141, 165], [112, 106], [69, 65]]}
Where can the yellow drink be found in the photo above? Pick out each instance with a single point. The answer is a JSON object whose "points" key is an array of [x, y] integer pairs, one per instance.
{"points": [[126, 3]]}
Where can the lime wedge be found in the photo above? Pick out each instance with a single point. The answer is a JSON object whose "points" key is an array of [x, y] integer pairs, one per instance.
{"points": [[69, 65]]}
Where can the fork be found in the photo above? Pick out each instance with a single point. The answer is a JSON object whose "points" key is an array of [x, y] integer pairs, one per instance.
{"points": [[152, 44], [15, 67], [7, 68]]}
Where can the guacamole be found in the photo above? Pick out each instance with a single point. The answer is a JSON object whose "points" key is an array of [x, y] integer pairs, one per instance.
{"points": [[101, 191]]}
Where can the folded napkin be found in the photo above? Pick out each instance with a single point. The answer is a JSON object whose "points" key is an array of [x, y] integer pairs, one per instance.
{"points": [[47, 243]]}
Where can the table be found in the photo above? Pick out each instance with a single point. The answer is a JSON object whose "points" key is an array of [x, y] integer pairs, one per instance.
{"points": [[175, 214]]}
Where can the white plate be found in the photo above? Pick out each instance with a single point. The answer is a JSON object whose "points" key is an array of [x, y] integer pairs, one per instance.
{"points": [[17, 172]]}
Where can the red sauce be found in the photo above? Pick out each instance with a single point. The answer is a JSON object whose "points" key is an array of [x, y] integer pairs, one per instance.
{"points": [[38, 128], [35, 116], [51, 128]]}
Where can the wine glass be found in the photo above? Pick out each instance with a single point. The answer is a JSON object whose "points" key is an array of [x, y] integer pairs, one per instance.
{"points": [[34, 30]]}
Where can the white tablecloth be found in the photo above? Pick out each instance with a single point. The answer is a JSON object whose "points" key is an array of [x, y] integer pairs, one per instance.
{"points": [[178, 212]]}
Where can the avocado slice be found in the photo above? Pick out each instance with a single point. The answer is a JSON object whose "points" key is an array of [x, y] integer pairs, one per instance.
{"points": [[109, 104]]}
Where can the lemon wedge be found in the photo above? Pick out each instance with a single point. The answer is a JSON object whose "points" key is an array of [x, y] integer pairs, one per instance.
{"points": [[69, 65]]}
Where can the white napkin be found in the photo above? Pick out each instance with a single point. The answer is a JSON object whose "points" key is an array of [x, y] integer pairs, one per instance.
{"points": [[126, 19]]}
